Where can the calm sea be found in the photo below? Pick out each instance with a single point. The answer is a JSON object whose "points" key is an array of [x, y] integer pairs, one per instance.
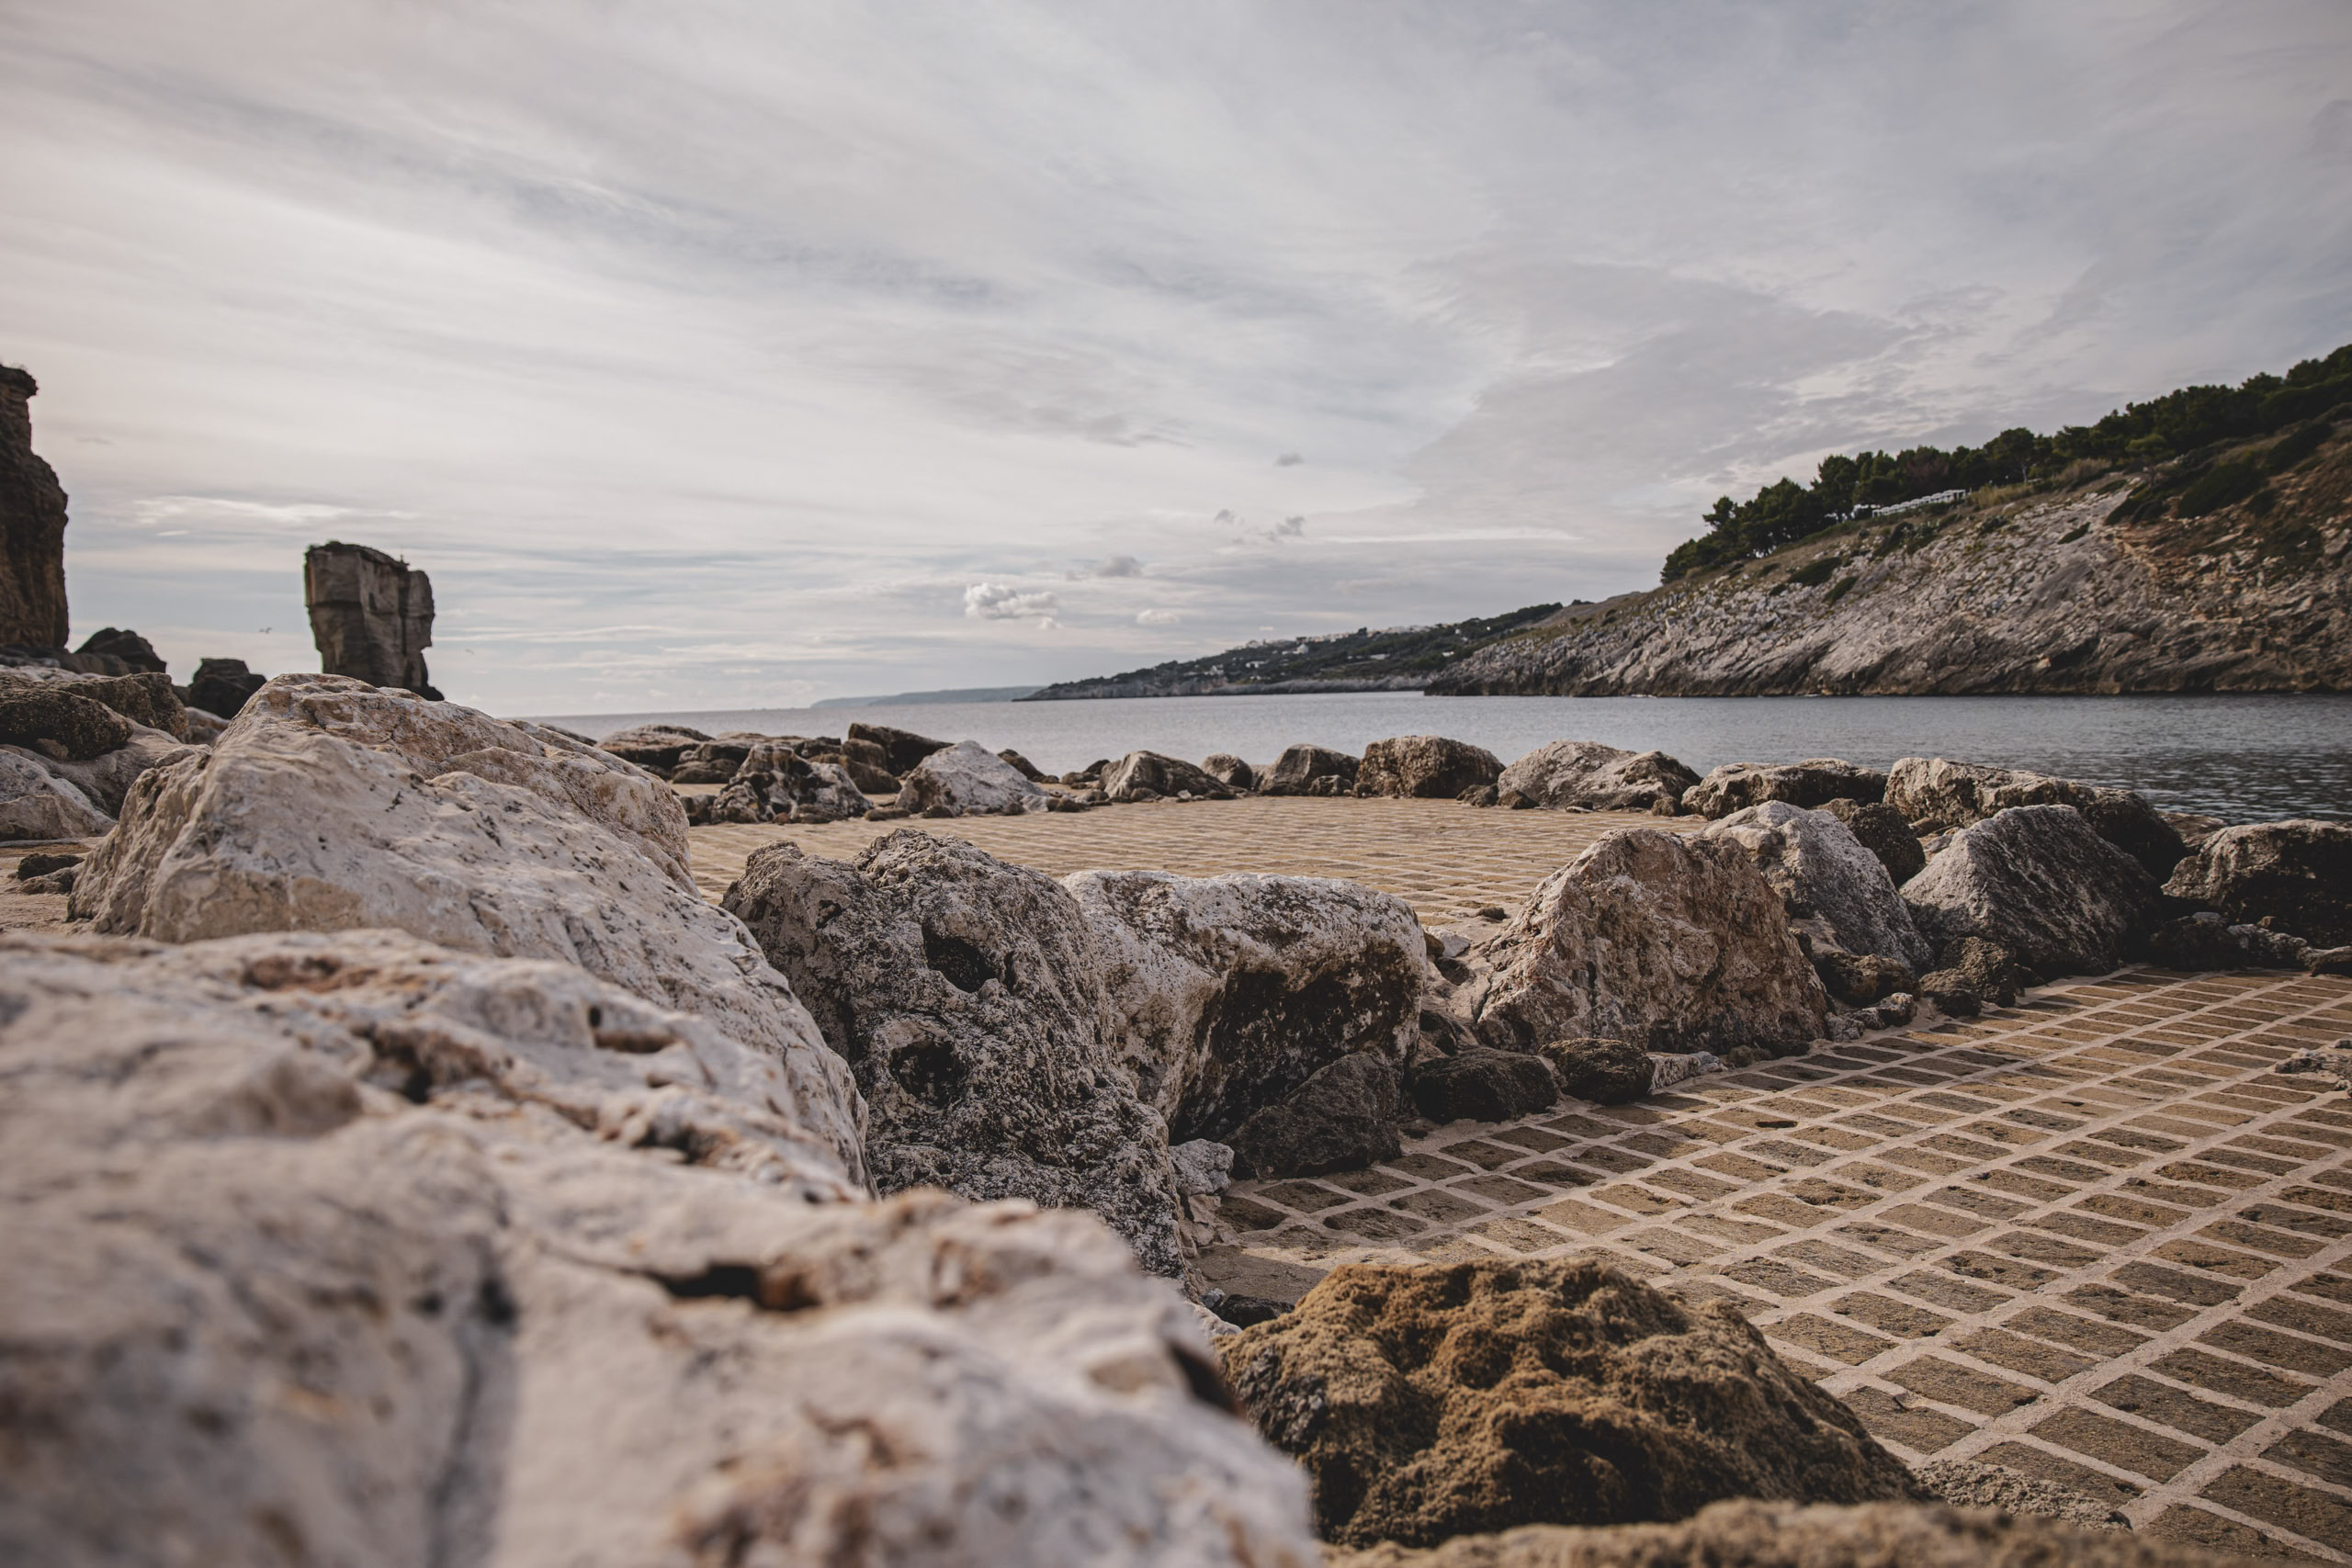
{"points": [[2247, 759]]}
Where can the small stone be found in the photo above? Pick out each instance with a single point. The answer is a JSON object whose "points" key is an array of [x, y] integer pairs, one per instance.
{"points": [[1483, 1085], [1203, 1167], [1606, 1072]]}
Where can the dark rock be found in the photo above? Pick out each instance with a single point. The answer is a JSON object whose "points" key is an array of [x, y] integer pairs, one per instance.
{"points": [[1952, 992], [1021, 765], [1859, 979], [1230, 769], [1990, 966], [714, 761], [1424, 767], [38, 865], [901, 749], [1148, 775], [222, 686], [1606, 1072], [1243, 1312], [144, 698], [776, 782], [2039, 881], [1302, 765], [1812, 784], [2328, 961], [1478, 794], [2208, 940], [656, 748], [1483, 1085], [1428, 1403], [371, 615], [1955, 795], [1329, 787], [2296, 874], [1884, 832], [49, 718], [2193, 826], [1342, 1118], [32, 526], [1586, 773], [868, 763], [135, 653]]}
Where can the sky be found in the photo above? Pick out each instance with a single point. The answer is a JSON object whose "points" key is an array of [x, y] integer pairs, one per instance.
{"points": [[726, 354]]}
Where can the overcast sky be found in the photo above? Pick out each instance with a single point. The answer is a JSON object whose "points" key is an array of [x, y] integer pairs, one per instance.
{"points": [[719, 354]]}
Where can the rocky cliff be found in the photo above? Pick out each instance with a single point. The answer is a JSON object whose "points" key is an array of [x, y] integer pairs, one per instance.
{"points": [[2115, 583], [32, 525], [371, 615]]}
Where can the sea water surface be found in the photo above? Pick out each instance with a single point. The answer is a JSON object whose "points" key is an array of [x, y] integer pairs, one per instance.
{"points": [[2245, 759]]}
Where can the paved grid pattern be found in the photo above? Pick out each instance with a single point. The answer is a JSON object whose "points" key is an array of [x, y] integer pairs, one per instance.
{"points": [[1443, 858]]}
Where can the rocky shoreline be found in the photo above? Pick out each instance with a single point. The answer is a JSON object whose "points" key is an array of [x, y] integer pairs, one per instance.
{"points": [[412, 1164]]}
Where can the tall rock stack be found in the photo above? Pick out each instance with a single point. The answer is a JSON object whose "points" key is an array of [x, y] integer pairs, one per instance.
{"points": [[371, 615], [32, 525]]}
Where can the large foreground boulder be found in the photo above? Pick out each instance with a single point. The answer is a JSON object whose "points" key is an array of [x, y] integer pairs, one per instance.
{"points": [[35, 804], [1597, 777], [1744, 1534], [332, 804], [1426, 1403], [1811, 783], [349, 1249], [969, 780], [1425, 767], [2040, 882], [1833, 889], [1148, 775], [1937, 794], [1675, 945], [966, 995], [1303, 768], [2298, 874], [1226, 992]]}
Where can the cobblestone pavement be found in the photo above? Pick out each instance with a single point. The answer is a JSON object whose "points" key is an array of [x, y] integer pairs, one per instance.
{"points": [[2093, 1236]]}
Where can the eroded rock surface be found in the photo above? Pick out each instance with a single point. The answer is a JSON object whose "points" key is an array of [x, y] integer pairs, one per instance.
{"points": [[2040, 882], [1833, 889], [1811, 783], [32, 525], [1302, 767], [900, 749], [1672, 944], [1597, 777], [1342, 1118], [1885, 833], [1426, 1403], [1148, 775], [1480, 1084], [969, 780], [966, 996], [371, 615], [1940, 793], [351, 1249], [2296, 873], [36, 804], [1424, 767], [656, 748]]}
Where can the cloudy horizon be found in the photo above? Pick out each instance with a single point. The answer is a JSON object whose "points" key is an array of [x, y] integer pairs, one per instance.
{"points": [[742, 355]]}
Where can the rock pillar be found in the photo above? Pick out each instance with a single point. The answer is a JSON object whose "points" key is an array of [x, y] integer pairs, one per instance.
{"points": [[32, 526], [371, 615]]}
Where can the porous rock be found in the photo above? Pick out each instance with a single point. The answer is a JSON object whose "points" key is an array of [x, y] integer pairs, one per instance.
{"points": [[332, 804], [969, 780], [108, 777], [1203, 1167], [1147, 775], [1673, 944], [965, 995], [223, 686], [1884, 832], [2040, 882], [1606, 1072], [1859, 979], [1587, 773], [1833, 889], [1973, 1483], [1430, 1402], [51, 719], [1812, 784], [1424, 767], [36, 804], [1342, 1118], [1229, 771], [351, 1249], [2208, 940], [776, 782], [2296, 873], [1742, 1534], [1301, 766], [715, 760], [1990, 966], [656, 748], [901, 749], [1226, 992], [144, 698], [1944, 794], [1482, 1085]]}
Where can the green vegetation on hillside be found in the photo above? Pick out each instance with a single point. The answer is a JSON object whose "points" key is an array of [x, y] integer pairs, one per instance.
{"points": [[2178, 425]]}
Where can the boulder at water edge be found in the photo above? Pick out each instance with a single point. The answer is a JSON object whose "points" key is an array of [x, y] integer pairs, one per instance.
{"points": [[1883, 832], [1811, 783], [967, 995], [1424, 767], [1430, 1402], [900, 749], [2040, 882], [1673, 944], [656, 748], [347, 1248], [1229, 771], [774, 783], [1833, 889], [1934, 793], [969, 780], [2298, 874], [1597, 777], [1148, 775], [1302, 768]]}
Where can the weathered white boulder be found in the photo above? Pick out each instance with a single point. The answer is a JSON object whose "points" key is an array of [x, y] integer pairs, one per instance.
{"points": [[967, 995], [1424, 767], [1833, 888], [969, 780], [1938, 794], [344, 1249], [1148, 775], [107, 778], [1226, 993], [331, 805], [1815, 782], [37, 804], [2040, 882], [1674, 944], [1596, 777], [2298, 873]]}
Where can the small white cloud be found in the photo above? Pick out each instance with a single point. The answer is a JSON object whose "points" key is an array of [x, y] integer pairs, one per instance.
{"points": [[1157, 618], [1002, 601], [1289, 460]]}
